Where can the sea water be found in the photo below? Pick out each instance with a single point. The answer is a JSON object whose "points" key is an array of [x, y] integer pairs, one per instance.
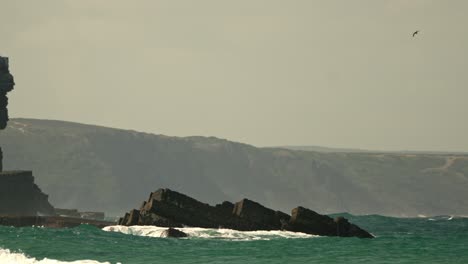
{"points": [[442, 239]]}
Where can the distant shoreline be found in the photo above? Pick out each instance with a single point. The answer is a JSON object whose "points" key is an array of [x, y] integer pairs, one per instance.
{"points": [[50, 221]]}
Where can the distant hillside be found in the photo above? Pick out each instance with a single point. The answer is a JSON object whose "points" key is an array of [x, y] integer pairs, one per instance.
{"points": [[97, 168], [350, 150], [324, 149]]}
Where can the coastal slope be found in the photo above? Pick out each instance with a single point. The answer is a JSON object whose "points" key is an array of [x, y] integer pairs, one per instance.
{"points": [[98, 168]]}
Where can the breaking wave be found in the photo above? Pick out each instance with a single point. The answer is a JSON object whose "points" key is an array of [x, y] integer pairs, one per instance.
{"points": [[209, 233], [6, 256]]}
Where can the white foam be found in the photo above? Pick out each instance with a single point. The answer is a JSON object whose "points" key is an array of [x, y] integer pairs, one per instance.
{"points": [[8, 257], [197, 232], [445, 217]]}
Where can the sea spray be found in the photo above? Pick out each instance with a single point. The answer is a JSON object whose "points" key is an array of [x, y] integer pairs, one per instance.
{"points": [[209, 233], [8, 257], [402, 240]]}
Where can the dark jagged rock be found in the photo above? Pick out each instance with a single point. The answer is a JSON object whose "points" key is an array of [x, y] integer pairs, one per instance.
{"points": [[172, 209], [133, 217], [171, 232], [6, 85], [346, 229], [19, 196], [307, 221], [163, 209], [123, 220], [260, 217]]}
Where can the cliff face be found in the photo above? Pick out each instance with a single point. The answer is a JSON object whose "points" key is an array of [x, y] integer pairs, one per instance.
{"points": [[6, 85], [19, 196]]}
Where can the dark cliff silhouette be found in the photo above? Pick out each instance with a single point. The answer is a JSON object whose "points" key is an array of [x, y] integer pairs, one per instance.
{"points": [[19, 195], [6, 85]]}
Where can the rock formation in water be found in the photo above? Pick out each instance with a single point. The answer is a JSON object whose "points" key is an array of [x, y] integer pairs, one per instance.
{"points": [[6, 85], [171, 232], [172, 209]]}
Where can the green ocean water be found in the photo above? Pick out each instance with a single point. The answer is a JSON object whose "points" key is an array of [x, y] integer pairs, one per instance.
{"points": [[440, 239]]}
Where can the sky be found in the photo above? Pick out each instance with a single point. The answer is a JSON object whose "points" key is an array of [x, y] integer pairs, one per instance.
{"points": [[267, 73]]}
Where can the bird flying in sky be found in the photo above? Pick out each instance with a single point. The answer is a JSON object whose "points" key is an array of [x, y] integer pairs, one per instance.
{"points": [[415, 33]]}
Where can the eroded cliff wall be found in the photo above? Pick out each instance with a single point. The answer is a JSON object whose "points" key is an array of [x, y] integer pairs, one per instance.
{"points": [[6, 85], [20, 196]]}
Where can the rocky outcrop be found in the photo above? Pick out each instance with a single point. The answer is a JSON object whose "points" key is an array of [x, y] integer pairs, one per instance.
{"points": [[6, 85], [172, 209], [20, 196], [307, 221], [254, 216], [172, 232]]}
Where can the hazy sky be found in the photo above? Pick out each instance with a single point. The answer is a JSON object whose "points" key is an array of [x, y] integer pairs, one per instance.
{"points": [[331, 73]]}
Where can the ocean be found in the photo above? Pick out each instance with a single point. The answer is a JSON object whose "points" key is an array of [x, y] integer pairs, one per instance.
{"points": [[441, 239]]}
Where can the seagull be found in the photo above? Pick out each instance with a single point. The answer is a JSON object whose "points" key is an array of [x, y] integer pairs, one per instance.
{"points": [[415, 33]]}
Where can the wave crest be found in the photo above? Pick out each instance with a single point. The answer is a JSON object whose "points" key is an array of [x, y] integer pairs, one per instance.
{"points": [[209, 233], [6, 256]]}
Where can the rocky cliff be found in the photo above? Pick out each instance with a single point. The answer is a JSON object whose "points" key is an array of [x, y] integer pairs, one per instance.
{"points": [[20, 196], [6, 85], [172, 209]]}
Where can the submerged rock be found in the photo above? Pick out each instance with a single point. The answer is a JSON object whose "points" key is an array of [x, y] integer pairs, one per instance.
{"points": [[172, 209], [171, 232]]}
